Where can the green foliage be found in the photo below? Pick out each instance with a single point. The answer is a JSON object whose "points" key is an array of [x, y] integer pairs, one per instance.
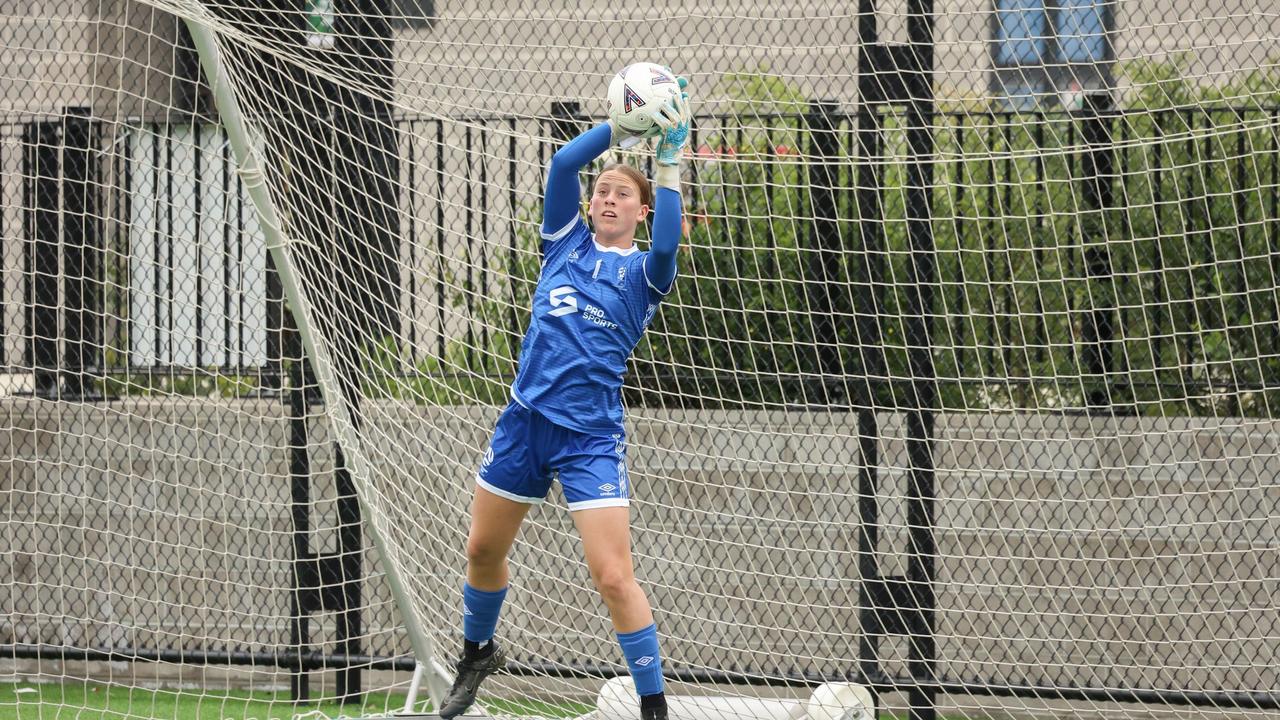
{"points": [[1180, 269], [478, 366]]}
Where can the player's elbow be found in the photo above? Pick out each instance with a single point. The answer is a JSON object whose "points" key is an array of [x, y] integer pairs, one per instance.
{"points": [[561, 163]]}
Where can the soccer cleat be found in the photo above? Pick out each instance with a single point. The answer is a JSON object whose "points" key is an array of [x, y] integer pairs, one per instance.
{"points": [[470, 674], [654, 713]]}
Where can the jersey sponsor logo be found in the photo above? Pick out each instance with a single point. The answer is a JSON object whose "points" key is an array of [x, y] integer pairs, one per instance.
{"points": [[563, 301], [595, 316], [630, 99]]}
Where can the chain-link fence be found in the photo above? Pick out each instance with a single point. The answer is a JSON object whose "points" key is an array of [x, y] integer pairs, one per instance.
{"points": [[968, 376]]}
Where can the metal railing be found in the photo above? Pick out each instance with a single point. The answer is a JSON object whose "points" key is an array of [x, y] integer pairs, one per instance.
{"points": [[1098, 258]]}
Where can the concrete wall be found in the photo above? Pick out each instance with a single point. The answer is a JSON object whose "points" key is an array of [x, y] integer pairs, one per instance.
{"points": [[1136, 552], [119, 55]]}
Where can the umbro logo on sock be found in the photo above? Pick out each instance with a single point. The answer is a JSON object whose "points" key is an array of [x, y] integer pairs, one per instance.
{"points": [[644, 661]]}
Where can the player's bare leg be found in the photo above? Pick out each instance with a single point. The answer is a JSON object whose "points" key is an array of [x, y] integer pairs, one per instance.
{"points": [[495, 522], [606, 540]]}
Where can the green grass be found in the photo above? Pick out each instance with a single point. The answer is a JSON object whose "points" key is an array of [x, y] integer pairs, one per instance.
{"points": [[99, 701]]}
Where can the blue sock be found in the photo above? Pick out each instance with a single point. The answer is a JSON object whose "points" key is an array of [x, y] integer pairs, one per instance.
{"points": [[480, 613], [640, 648]]}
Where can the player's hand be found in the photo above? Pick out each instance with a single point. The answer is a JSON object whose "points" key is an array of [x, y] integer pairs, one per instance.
{"points": [[674, 122]]}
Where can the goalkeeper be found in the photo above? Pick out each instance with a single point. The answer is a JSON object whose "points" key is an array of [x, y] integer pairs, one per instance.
{"points": [[595, 297]]}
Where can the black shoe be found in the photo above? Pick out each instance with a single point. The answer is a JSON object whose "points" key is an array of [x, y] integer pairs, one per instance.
{"points": [[470, 674], [653, 707], [654, 713]]}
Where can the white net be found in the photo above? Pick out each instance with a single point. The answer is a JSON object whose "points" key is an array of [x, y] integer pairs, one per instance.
{"points": [[964, 394]]}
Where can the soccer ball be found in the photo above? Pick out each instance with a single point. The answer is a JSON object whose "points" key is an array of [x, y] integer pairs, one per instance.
{"points": [[841, 701], [636, 92]]}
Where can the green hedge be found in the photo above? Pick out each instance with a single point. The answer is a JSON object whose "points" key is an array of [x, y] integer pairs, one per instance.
{"points": [[1190, 243]]}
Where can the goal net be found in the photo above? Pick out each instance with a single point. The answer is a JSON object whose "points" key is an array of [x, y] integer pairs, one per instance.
{"points": [[961, 405]]}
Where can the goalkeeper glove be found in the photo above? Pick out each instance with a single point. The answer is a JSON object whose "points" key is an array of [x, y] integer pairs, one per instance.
{"points": [[674, 120]]}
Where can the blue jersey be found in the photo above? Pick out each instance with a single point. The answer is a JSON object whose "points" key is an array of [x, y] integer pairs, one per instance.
{"points": [[590, 308]]}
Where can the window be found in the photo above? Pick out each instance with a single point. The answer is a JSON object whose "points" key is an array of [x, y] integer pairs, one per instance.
{"points": [[1082, 34], [412, 13], [1020, 32], [1037, 32]]}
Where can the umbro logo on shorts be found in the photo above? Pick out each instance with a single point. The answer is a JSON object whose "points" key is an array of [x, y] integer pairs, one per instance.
{"points": [[608, 488]]}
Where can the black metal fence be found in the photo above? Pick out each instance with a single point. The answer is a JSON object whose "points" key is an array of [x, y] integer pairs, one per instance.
{"points": [[1115, 258], [1110, 260]]}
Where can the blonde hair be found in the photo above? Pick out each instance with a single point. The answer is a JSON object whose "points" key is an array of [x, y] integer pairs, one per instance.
{"points": [[636, 177]]}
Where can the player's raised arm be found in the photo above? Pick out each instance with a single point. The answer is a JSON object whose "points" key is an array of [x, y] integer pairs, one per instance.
{"points": [[563, 195], [661, 263]]}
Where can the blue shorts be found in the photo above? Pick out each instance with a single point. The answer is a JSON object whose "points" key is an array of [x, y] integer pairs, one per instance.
{"points": [[527, 450]]}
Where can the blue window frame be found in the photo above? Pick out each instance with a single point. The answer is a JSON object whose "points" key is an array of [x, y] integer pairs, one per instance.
{"points": [[1081, 30], [1021, 32], [1038, 32]]}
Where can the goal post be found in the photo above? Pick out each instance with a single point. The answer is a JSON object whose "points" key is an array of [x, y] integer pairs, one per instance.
{"points": [[335, 399]]}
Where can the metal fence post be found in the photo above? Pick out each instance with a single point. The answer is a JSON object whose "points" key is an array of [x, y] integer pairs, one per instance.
{"points": [[40, 171], [566, 118], [1098, 197], [824, 276], [81, 257]]}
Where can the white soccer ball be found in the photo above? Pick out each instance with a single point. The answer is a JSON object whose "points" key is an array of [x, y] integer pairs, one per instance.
{"points": [[841, 701], [636, 92]]}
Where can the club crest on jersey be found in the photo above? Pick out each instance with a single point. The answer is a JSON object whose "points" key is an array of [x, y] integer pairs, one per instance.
{"points": [[630, 99], [622, 273]]}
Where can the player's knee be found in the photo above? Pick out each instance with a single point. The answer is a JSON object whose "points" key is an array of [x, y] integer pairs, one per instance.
{"points": [[615, 586], [481, 554]]}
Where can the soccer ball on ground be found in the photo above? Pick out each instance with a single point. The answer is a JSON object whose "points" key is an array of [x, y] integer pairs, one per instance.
{"points": [[636, 92]]}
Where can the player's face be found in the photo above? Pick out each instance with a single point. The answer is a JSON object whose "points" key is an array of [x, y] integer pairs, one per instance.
{"points": [[615, 208]]}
